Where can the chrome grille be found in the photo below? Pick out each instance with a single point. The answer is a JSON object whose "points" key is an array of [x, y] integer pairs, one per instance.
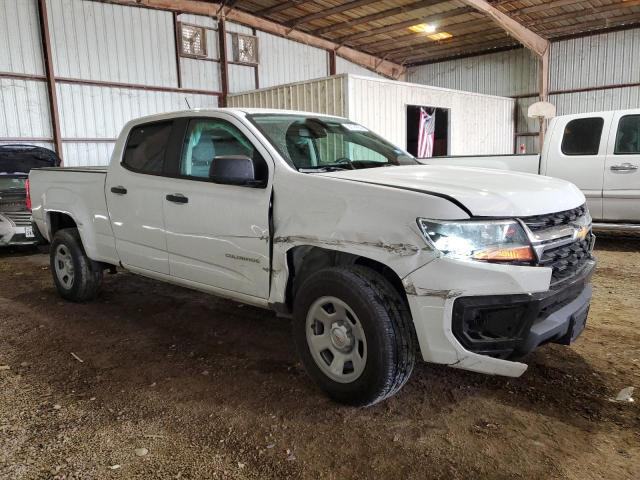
{"points": [[566, 260], [542, 222], [21, 219], [563, 241]]}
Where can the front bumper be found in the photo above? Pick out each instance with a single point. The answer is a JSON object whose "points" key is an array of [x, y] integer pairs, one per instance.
{"points": [[487, 315]]}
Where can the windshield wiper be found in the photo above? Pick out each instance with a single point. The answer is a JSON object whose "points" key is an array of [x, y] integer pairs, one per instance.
{"points": [[323, 168]]}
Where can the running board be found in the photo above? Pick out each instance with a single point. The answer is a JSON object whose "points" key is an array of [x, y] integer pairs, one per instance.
{"points": [[618, 227]]}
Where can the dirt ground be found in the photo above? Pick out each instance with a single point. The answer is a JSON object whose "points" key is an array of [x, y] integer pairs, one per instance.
{"points": [[213, 389]]}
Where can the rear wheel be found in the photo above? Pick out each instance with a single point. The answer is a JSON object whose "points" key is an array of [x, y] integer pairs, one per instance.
{"points": [[75, 275], [354, 334]]}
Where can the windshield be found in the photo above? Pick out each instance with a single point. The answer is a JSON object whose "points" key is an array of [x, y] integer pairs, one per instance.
{"points": [[320, 143], [11, 183]]}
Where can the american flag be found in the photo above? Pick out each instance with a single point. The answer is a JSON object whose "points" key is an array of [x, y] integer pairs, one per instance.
{"points": [[426, 133]]}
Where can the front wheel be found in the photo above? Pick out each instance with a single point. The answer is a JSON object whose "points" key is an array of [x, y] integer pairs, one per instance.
{"points": [[354, 334], [76, 276]]}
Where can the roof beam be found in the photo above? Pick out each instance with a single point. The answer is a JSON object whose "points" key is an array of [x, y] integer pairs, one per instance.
{"points": [[328, 11], [408, 23], [588, 12], [529, 39], [384, 67], [278, 8], [391, 51], [478, 28], [377, 16]]}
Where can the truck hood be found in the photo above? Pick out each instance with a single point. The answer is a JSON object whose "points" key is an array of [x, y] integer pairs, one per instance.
{"points": [[483, 192]]}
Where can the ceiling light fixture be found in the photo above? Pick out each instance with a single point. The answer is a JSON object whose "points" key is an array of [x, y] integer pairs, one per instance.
{"points": [[440, 36], [423, 28]]}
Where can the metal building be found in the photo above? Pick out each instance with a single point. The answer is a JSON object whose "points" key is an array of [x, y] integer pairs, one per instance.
{"points": [[72, 72]]}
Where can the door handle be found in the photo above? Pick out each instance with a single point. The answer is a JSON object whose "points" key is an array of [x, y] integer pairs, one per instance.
{"points": [[625, 167], [120, 190], [177, 198]]}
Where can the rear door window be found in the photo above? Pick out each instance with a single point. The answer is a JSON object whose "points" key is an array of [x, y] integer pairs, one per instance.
{"points": [[146, 148], [628, 136], [582, 136]]}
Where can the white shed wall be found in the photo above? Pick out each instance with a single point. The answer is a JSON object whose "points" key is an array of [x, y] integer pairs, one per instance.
{"points": [[381, 106], [324, 95]]}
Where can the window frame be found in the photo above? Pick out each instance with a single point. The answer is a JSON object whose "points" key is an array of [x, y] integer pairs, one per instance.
{"points": [[615, 145], [163, 172], [203, 40], [582, 154], [181, 151]]}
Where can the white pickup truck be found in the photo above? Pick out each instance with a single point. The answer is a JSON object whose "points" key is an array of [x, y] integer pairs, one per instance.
{"points": [[376, 257], [598, 152]]}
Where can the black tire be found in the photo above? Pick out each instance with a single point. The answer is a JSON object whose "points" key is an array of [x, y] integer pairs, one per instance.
{"points": [[387, 324], [87, 274]]}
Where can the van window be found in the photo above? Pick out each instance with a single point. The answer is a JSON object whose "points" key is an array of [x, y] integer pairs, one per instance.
{"points": [[146, 148], [628, 137], [582, 136]]}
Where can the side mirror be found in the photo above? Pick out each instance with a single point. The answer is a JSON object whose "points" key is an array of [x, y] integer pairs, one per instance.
{"points": [[237, 170]]}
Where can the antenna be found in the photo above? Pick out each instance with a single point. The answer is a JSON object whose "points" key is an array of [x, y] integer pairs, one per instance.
{"points": [[187, 102]]}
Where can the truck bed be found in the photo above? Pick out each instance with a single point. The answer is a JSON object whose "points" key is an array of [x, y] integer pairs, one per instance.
{"points": [[79, 193]]}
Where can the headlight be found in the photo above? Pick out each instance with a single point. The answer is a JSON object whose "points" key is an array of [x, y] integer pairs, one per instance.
{"points": [[498, 241]]}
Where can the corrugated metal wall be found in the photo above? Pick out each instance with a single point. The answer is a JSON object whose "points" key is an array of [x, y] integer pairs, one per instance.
{"points": [[381, 105], [197, 73], [113, 63], [345, 66], [509, 73], [283, 61], [595, 63], [24, 108]]}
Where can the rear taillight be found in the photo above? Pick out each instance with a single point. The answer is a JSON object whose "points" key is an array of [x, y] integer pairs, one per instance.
{"points": [[28, 189]]}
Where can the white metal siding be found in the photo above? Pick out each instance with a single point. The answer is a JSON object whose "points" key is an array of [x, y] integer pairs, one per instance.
{"points": [[99, 41], [606, 59], [325, 95], [86, 154], [478, 124], [98, 112], [200, 20], [345, 66], [599, 60], [21, 50], [202, 74], [241, 78], [510, 73], [24, 109], [597, 100], [284, 61]]}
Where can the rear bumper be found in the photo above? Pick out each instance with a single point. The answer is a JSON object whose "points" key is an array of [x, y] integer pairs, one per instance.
{"points": [[12, 234], [484, 317]]}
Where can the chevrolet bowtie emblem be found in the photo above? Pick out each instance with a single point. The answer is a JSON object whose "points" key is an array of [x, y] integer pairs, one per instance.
{"points": [[581, 233]]}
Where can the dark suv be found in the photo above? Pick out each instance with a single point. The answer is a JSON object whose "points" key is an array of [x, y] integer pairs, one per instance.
{"points": [[16, 161]]}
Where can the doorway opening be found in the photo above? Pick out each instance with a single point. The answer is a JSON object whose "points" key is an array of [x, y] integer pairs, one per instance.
{"points": [[440, 131]]}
